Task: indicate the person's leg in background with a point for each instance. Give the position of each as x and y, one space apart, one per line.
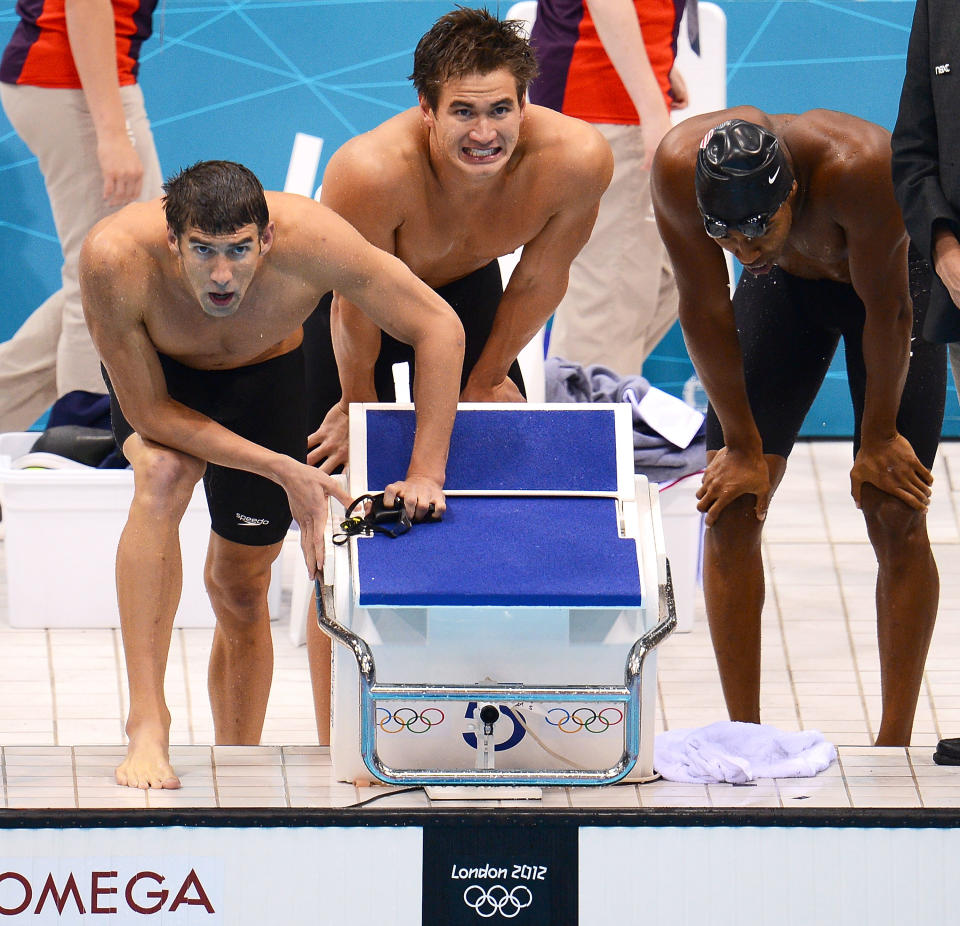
74 368
621 298
56 126
28 366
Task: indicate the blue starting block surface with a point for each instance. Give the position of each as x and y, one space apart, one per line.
505 551
570 450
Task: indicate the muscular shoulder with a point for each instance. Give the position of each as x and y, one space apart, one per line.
120 257
559 147
839 149
308 236
371 172
846 159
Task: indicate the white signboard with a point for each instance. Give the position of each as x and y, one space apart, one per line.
185 876
766 876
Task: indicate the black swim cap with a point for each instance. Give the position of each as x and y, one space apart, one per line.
741 172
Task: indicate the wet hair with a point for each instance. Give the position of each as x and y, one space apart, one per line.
217 197
741 171
469 41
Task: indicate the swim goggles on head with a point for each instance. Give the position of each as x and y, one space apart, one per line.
754 227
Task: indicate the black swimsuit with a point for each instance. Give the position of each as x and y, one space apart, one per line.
263 402
789 329
475 298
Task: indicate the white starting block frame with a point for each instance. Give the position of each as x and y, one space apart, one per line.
593 727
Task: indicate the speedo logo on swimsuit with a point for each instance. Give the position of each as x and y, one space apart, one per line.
244 520
942 69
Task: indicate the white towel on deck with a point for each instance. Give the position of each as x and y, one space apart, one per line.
739 752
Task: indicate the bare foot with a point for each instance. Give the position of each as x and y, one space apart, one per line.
147 765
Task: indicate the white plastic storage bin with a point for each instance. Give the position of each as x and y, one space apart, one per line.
62 529
683 541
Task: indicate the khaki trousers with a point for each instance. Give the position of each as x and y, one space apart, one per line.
52 354
622 298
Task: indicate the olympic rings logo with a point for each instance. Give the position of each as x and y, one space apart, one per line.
585 718
406 718
488 902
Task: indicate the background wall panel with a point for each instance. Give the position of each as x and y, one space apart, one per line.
239 79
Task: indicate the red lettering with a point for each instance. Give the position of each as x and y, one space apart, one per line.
159 896
201 900
27 893
50 889
96 891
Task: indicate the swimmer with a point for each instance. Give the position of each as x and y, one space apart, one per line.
195 303
805 203
472 173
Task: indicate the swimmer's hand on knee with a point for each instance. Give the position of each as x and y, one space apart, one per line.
422 497
728 475
893 467
328 444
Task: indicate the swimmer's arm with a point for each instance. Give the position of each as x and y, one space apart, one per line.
886 353
877 253
539 280
91 33
356 346
138 380
389 294
706 316
705 308
709 330
347 190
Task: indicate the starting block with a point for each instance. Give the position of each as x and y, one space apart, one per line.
518 634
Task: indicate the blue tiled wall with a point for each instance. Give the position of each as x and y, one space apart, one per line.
238 79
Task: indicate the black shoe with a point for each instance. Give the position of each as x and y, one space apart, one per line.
948 752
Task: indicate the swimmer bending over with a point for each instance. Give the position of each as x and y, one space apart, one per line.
471 174
195 303
805 203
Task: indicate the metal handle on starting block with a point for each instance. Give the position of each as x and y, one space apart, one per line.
371 692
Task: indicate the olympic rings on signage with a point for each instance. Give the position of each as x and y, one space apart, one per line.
585 718
496 899
409 719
